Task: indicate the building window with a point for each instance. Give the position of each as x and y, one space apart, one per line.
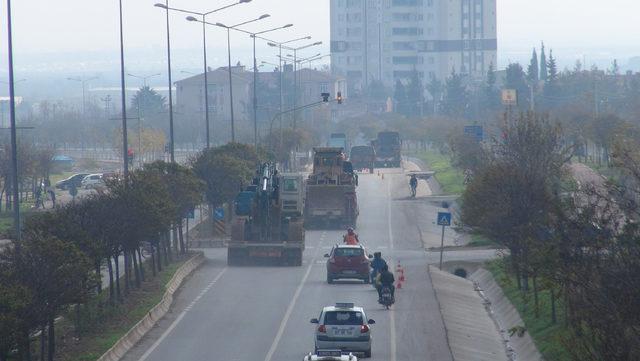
404 45
405 31
407 2
404 60
354 31
353 3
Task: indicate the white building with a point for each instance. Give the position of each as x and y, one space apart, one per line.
390 39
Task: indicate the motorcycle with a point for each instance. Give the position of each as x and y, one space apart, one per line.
386 298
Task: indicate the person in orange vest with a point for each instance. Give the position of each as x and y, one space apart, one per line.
351 238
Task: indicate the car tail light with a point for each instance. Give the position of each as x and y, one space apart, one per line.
364 329
364 261
322 329
332 260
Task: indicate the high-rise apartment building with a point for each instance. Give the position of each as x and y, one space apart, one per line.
390 39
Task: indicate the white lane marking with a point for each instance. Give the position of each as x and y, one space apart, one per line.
392 316
287 314
179 318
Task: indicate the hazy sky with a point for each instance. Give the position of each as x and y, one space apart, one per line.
596 28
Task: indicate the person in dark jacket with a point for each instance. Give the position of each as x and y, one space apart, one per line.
386 279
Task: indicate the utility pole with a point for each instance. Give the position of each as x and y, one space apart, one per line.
366 47
14 140
125 150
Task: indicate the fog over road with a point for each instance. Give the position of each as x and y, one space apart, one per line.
262 313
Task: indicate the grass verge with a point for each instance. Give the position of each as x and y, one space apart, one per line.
450 178
478 240
547 336
103 324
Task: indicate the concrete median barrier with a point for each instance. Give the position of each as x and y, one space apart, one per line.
506 316
137 332
472 334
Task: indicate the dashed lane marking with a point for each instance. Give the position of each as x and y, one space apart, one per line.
287 315
181 316
392 316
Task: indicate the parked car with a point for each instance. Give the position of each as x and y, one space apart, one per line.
93 181
75 179
347 261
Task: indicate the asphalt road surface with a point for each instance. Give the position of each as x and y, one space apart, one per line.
262 313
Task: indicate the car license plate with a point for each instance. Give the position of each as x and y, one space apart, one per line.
349 272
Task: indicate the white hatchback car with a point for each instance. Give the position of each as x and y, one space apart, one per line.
343 327
93 181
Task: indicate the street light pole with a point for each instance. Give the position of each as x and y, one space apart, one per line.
233 129
125 143
204 55
14 140
171 135
83 81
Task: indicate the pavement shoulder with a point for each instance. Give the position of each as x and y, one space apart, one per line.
471 333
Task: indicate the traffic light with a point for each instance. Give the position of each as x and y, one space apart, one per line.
325 97
339 98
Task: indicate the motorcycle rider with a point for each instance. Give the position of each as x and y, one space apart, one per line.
376 265
351 238
385 279
413 182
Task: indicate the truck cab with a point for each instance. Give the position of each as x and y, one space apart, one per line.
292 194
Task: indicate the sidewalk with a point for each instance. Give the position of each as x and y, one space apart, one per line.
472 334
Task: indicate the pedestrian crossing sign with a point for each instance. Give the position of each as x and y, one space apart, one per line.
444 219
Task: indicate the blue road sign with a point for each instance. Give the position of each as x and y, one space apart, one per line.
474 131
191 214
218 214
444 219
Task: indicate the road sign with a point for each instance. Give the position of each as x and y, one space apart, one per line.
474 131
218 214
444 219
191 214
509 97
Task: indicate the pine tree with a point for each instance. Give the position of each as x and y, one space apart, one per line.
490 91
615 69
543 65
551 86
400 97
533 71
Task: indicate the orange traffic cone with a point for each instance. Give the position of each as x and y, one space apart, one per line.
399 285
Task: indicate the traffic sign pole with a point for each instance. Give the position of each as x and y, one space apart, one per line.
442 248
444 220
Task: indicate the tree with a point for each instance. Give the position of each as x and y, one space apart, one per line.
400 97
551 87
148 102
490 95
56 274
543 65
456 96
435 89
415 95
533 71
516 79
512 197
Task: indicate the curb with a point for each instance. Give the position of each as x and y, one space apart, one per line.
135 334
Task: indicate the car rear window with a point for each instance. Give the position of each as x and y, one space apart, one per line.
349 252
343 318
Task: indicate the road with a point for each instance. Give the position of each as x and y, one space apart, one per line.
263 313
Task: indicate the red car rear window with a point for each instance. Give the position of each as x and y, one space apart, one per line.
348 252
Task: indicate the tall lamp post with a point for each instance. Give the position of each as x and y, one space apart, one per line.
229 28
255 76
123 94
84 82
204 55
165 6
295 81
14 140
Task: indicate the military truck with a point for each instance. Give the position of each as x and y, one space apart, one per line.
331 200
263 225
388 150
363 157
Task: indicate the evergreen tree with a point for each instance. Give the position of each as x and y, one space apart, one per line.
516 79
543 65
491 96
615 69
435 89
551 87
456 96
400 98
414 94
533 71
